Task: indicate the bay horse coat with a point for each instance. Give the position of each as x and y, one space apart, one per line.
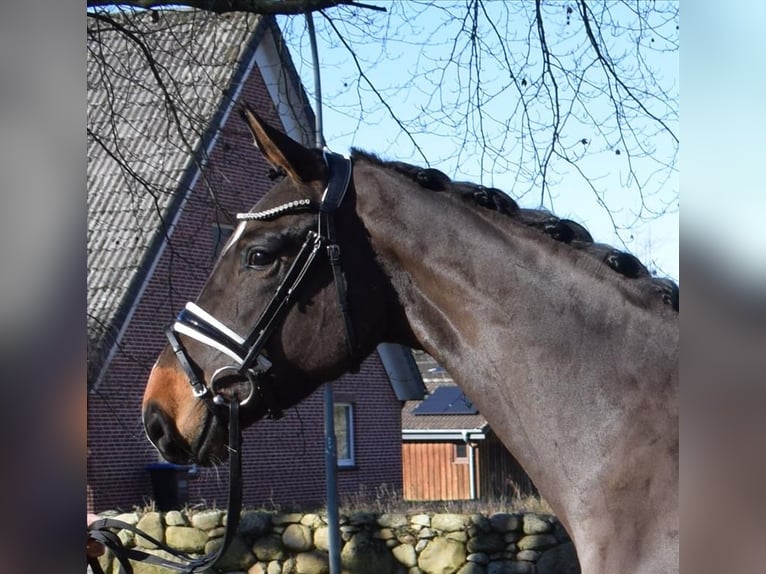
567 347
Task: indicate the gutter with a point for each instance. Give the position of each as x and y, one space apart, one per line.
444 434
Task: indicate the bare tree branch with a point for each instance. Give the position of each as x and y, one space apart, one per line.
556 108
532 95
383 101
223 6
584 10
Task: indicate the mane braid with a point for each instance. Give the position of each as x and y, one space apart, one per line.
561 230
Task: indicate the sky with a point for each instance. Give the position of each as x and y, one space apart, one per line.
405 67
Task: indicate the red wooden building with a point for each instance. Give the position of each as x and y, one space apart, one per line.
165 177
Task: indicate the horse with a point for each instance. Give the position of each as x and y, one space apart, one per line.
568 348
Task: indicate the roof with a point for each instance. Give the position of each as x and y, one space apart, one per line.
403 372
438 426
139 148
446 400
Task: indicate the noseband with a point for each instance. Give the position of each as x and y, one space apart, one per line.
250 363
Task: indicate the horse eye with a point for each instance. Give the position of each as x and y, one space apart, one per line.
258 258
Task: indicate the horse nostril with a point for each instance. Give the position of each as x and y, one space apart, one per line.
161 432
155 423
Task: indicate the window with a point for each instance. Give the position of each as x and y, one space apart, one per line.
461 453
344 433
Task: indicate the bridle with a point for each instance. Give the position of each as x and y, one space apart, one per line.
250 364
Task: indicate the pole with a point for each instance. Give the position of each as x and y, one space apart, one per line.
331 449
317 83
331 471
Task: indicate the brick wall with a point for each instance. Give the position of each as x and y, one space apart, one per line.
283 460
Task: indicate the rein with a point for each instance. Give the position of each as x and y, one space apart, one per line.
99 530
196 323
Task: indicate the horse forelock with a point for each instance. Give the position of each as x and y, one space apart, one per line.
575 236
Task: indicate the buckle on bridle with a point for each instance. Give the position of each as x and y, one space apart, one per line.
333 252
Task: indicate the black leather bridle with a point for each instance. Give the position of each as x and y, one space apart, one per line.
250 363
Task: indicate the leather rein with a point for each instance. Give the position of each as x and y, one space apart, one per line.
249 368
100 530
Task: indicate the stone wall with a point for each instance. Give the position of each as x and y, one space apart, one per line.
297 543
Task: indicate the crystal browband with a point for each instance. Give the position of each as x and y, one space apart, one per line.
274 212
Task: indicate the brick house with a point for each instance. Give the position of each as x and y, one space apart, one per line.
164 182
449 451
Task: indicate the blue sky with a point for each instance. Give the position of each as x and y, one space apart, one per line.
352 117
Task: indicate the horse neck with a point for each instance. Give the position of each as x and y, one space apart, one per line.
545 341
467 276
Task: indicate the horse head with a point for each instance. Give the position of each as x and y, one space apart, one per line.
272 322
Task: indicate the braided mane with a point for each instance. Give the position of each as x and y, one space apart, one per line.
559 229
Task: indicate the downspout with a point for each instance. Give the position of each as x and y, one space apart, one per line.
471 466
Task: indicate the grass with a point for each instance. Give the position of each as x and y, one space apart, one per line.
385 499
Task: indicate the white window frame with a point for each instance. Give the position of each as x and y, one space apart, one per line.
349 445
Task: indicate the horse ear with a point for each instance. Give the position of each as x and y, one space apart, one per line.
299 162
